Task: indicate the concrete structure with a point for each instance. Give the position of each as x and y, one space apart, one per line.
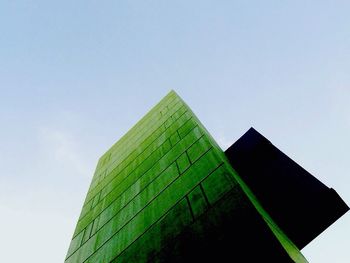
166 192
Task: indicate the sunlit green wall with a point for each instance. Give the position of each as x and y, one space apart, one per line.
161 176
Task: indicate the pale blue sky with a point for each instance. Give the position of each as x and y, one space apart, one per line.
76 75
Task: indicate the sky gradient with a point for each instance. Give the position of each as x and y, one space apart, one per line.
76 75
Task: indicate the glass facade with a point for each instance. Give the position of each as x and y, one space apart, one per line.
165 192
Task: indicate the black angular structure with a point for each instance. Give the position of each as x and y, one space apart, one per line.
301 205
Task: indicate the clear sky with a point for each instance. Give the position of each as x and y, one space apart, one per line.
76 75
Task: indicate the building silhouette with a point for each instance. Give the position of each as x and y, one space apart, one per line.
166 192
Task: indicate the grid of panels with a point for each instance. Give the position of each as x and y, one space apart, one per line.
133 187
158 178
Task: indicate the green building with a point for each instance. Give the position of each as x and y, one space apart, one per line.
166 192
